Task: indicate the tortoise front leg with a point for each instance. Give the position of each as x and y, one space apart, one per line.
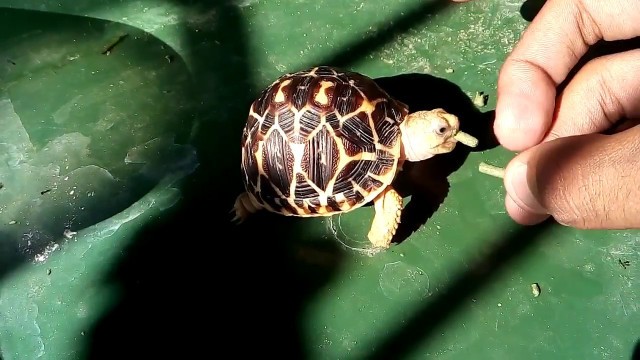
388 209
244 206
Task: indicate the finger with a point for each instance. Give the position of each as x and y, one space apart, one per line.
552 44
604 91
588 181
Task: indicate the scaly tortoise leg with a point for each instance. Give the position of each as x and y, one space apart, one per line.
388 209
244 206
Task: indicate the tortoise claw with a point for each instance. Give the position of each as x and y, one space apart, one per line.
237 219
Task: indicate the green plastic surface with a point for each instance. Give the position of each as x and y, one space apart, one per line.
119 171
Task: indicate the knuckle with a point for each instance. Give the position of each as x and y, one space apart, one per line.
606 89
587 26
608 101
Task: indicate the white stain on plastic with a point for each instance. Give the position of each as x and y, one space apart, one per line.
399 280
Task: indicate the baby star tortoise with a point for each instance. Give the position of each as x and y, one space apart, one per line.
323 141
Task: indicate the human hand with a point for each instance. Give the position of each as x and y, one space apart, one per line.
566 169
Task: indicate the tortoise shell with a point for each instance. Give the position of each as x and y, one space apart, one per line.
321 141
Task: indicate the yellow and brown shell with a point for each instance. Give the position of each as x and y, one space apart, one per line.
321 141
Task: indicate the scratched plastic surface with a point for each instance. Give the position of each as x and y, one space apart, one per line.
119 170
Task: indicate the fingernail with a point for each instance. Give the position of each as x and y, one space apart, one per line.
523 189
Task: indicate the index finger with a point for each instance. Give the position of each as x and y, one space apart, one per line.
550 47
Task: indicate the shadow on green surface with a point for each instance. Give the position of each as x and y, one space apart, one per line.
250 283
426 181
426 321
636 351
191 266
193 281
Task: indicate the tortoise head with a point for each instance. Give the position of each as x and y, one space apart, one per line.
428 133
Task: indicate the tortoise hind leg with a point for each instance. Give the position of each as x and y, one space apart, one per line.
244 206
388 209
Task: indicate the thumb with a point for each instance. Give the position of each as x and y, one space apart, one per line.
587 181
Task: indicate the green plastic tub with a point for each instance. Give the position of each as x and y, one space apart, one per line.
120 126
